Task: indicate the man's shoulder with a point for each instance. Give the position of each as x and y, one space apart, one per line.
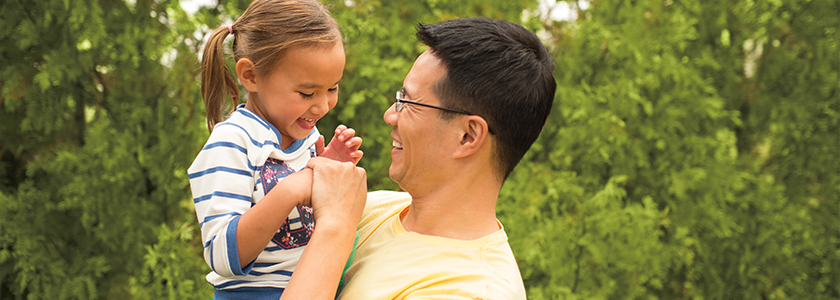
380 206
384 203
506 278
387 197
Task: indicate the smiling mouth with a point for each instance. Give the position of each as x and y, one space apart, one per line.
307 122
396 144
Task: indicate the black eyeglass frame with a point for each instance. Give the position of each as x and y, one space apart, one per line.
401 103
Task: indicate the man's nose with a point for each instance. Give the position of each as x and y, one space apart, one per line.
391 115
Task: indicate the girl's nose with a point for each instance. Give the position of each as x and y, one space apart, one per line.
324 105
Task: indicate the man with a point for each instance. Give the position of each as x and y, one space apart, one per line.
470 108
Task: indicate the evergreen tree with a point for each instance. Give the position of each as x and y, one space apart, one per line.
692 153
100 118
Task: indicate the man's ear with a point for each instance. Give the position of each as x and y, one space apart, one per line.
247 74
473 136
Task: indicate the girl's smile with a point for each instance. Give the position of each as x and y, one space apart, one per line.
298 91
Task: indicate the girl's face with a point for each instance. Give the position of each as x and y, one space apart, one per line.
300 90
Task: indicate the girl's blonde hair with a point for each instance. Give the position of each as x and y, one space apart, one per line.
266 30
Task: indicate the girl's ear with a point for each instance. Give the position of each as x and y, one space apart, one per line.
247 74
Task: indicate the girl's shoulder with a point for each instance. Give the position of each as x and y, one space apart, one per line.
244 124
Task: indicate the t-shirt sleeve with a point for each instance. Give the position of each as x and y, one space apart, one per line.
222 184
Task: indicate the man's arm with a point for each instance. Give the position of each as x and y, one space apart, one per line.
339 192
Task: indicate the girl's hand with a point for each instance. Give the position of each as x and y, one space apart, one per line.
344 146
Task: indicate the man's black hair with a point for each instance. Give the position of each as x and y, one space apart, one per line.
498 70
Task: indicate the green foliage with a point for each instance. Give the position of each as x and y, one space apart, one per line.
712 126
692 153
99 124
171 269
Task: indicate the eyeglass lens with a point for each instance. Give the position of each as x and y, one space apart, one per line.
399 105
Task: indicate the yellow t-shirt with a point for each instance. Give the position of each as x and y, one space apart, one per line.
391 263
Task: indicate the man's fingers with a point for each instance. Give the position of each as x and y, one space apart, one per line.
337 188
315 162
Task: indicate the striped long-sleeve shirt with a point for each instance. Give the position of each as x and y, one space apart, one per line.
240 163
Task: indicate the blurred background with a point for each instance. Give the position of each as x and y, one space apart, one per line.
692 152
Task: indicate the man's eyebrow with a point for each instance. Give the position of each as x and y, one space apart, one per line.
310 85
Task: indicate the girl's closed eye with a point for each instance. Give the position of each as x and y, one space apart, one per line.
305 95
334 89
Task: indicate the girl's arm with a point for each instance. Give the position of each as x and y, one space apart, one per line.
339 192
222 185
258 224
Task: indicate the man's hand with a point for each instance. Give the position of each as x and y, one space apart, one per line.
344 146
339 191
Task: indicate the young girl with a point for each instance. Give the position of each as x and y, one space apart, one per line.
250 178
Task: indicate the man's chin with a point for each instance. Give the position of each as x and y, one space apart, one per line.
394 174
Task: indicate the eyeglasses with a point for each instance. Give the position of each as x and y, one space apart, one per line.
401 103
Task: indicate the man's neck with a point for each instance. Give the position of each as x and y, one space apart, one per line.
461 209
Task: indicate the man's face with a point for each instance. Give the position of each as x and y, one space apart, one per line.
418 132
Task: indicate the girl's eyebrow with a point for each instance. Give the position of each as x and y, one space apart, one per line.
309 85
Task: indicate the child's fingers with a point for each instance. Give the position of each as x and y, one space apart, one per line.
347 134
339 129
357 156
354 143
319 146
336 134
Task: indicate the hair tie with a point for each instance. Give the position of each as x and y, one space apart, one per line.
230 29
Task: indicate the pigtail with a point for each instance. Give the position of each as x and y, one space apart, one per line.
217 81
